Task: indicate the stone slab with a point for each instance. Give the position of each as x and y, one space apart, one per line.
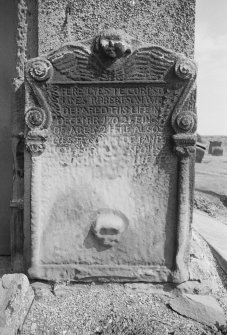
43 25
215 234
204 309
109 160
16 297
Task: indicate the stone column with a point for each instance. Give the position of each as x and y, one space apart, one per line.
185 148
184 122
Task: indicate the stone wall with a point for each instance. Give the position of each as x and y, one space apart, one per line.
168 23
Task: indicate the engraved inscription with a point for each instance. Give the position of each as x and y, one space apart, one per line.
84 110
92 120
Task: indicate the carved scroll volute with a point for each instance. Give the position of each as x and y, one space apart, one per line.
184 122
37 118
185 68
185 125
39 69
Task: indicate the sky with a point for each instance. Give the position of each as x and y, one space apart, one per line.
211 56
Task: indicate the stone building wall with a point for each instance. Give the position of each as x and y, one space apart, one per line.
169 23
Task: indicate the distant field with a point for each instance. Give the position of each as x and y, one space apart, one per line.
211 174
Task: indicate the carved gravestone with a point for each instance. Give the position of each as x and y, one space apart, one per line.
217 151
200 152
109 148
212 145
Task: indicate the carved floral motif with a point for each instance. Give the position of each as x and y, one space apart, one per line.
35 148
186 122
185 68
40 69
35 118
35 143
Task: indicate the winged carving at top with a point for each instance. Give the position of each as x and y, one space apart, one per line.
112 55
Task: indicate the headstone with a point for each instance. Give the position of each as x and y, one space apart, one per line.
109 149
200 152
217 151
213 144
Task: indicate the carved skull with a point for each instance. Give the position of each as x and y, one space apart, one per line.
109 226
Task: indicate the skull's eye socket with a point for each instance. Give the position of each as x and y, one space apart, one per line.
127 52
108 231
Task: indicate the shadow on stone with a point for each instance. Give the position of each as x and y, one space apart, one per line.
92 242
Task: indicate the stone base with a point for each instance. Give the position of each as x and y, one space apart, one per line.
101 273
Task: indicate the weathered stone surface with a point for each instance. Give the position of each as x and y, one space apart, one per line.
109 145
215 234
41 290
16 296
168 23
204 309
202 287
201 268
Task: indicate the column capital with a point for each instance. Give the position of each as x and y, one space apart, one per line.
184 144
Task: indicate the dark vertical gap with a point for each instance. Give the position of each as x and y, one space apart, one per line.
26 47
7 73
32 35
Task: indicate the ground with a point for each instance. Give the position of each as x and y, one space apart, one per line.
211 182
107 309
126 309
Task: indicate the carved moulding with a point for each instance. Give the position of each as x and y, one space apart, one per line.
184 123
38 116
111 58
35 142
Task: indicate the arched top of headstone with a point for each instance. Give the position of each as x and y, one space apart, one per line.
112 55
